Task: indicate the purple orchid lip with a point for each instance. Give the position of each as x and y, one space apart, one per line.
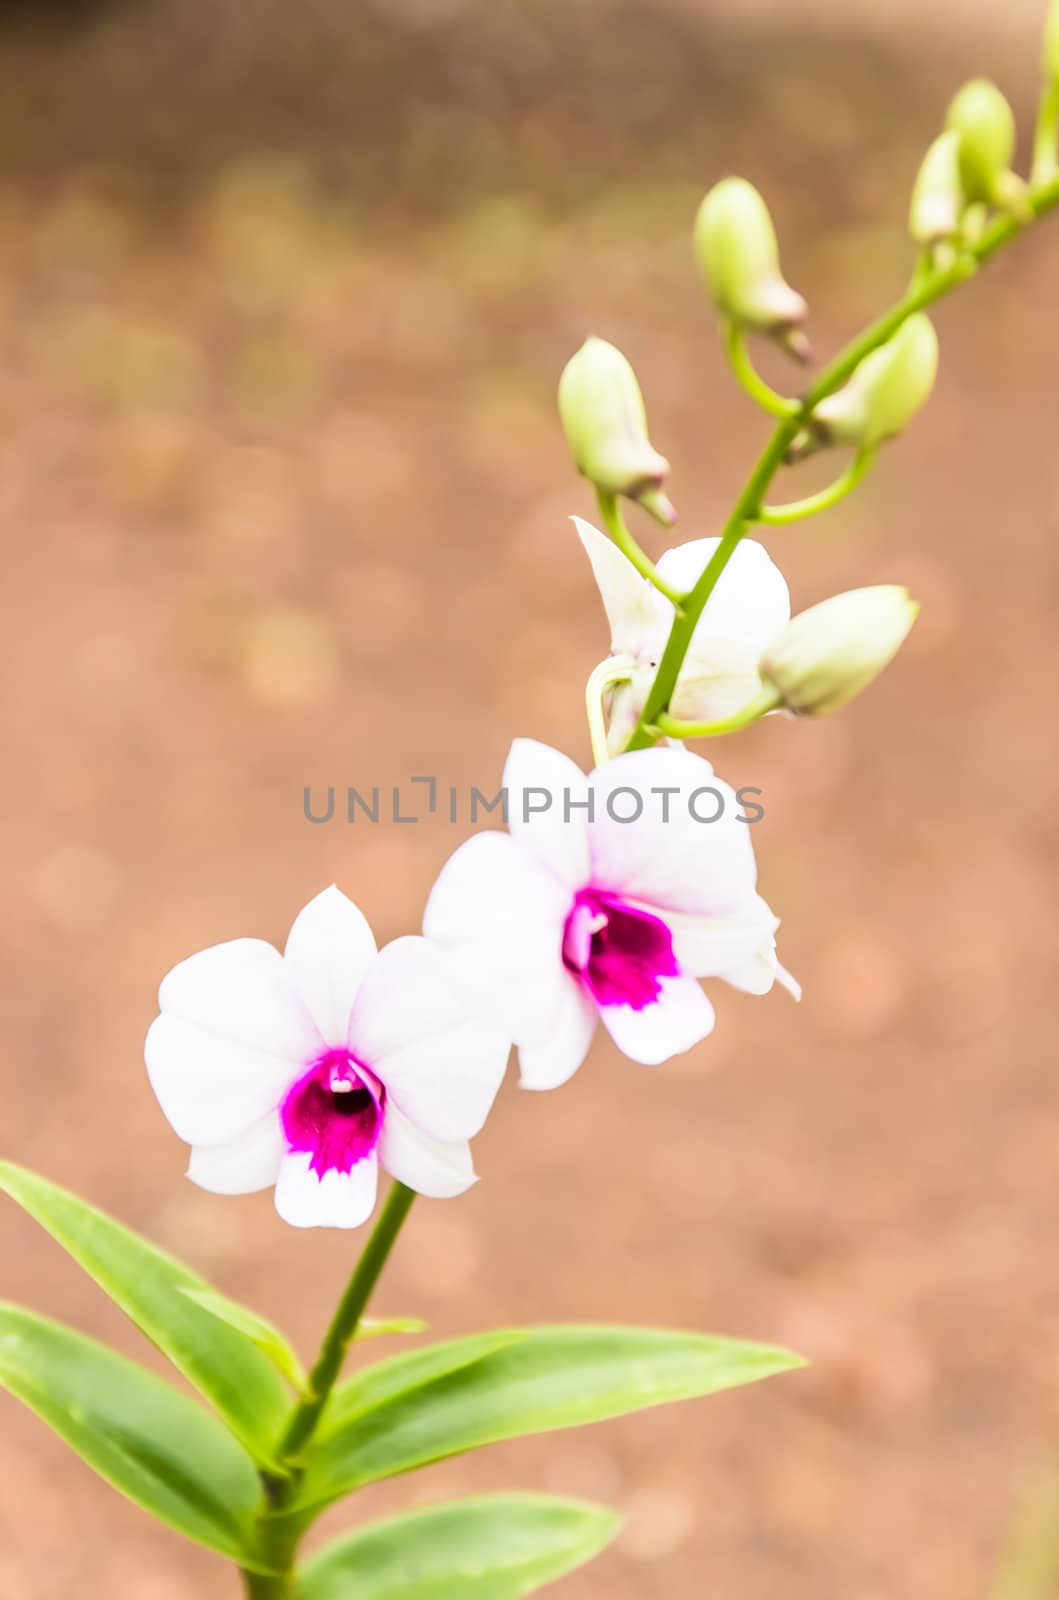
618 951
335 1111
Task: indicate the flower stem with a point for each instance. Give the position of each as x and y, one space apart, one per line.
797 510
280 1532
673 728
614 522
924 291
745 371
345 1321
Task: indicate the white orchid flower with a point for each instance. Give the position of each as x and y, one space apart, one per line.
312 1069
581 915
748 608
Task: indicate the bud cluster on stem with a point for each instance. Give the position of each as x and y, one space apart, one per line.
870 391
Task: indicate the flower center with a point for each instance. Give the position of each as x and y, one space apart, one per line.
335 1111
620 952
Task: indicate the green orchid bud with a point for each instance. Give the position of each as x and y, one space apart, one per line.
938 200
605 422
828 654
885 391
737 254
986 127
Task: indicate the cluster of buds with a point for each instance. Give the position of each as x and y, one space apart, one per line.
968 168
747 656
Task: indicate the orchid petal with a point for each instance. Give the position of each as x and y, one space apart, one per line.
555 1059
500 915
209 1087
671 857
434 1167
242 991
708 946
336 1200
750 604
624 704
757 974
536 776
328 951
720 681
678 1019
242 1165
640 617
412 1027
739 947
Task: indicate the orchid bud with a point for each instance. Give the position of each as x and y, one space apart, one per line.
938 199
985 124
828 654
737 253
605 422
885 391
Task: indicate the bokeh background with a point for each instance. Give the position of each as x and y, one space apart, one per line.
284 293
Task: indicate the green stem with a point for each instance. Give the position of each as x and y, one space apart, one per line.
280 1532
796 510
745 371
1046 139
923 292
683 628
673 728
259 1587
344 1323
614 523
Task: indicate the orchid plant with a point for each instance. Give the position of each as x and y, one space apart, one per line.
316 1070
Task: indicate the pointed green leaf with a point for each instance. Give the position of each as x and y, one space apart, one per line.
154 1445
375 1385
257 1329
375 1327
500 1547
151 1288
461 1395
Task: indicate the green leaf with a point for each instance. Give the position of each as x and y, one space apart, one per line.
151 1288
461 1395
375 1327
375 1385
257 1329
156 1446
497 1548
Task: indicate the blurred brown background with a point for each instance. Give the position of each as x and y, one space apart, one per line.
284 293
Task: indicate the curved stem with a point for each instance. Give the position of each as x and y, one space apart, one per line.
614 522
796 510
922 293
759 391
280 1537
673 728
615 669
